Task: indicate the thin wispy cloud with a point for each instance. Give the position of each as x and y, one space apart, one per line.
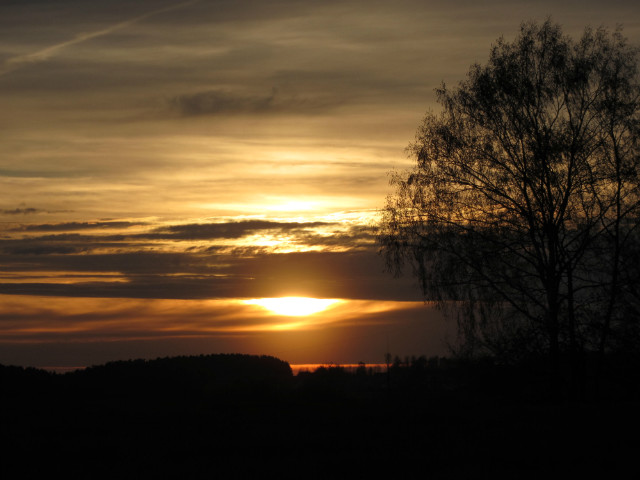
19 61
20 211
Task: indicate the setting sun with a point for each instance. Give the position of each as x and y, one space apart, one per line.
293 306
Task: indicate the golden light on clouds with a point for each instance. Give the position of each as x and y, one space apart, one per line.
64 319
294 306
293 206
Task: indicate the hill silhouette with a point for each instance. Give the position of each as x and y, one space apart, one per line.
210 377
242 416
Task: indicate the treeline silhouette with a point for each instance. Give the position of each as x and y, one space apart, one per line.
186 378
242 416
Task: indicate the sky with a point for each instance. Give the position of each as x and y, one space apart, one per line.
166 166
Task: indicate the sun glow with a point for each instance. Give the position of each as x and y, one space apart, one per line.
293 306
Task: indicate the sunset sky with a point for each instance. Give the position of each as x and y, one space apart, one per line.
167 165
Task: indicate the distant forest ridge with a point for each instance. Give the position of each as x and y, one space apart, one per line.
312 367
295 367
224 377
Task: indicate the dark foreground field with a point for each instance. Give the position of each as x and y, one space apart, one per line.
236 416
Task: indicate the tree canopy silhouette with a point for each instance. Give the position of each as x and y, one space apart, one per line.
521 212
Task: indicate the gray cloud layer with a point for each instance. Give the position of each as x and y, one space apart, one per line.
70 226
193 231
19 211
211 271
220 102
356 275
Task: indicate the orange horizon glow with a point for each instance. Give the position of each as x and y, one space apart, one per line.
294 306
44 319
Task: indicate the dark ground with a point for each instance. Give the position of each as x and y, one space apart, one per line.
236 416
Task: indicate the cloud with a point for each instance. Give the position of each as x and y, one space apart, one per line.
71 226
221 102
19 61
354 237
20 211
129 263
228 230
193 231
353 274
42 249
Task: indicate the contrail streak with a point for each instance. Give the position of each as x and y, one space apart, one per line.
20 61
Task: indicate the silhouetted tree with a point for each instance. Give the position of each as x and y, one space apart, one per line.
521 213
